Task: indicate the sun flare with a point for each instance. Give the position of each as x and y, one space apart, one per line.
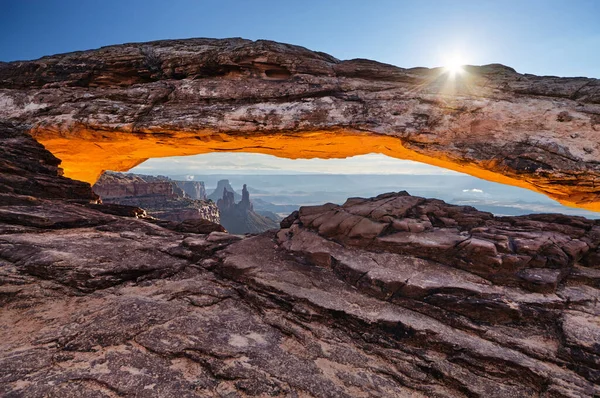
454 65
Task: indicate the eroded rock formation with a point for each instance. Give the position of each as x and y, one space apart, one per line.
28 170
240 218
114 107
162 197
218 192
391 296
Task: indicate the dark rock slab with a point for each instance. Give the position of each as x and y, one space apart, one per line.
27 168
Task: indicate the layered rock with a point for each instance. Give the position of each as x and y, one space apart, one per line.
240 218
162 197
28 170
390 296
117 186
114 107
534 252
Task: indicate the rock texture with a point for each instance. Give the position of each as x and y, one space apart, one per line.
394 296
389 296
27 170
240 218
114 107
162 197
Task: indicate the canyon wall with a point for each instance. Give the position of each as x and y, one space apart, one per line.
119 105
116 186
160 196
193 189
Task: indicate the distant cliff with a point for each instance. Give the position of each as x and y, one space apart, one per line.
240 218
193 189
162 197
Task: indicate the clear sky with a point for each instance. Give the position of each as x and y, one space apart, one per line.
546 37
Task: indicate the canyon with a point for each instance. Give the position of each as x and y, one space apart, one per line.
170 200
395 295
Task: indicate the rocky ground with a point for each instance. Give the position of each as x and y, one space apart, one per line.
389 296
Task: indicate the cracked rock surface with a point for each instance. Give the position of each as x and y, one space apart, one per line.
394 296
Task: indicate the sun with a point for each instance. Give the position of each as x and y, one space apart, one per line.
454 66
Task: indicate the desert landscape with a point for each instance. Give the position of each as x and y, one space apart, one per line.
133 285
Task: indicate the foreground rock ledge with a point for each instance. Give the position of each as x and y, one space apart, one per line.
114 107
390 296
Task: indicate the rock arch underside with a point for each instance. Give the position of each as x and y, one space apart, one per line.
388 296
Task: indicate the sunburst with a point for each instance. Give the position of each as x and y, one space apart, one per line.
454 65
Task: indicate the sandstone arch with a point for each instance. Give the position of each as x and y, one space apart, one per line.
114 107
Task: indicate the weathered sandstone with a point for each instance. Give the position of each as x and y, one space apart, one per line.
28 170
394 296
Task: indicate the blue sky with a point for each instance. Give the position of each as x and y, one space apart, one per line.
547 37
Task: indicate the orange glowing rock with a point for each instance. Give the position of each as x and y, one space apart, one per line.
91 152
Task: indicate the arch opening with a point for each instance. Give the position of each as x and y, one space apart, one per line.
87 153
281 185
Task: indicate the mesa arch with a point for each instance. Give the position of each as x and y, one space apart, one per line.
114 107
